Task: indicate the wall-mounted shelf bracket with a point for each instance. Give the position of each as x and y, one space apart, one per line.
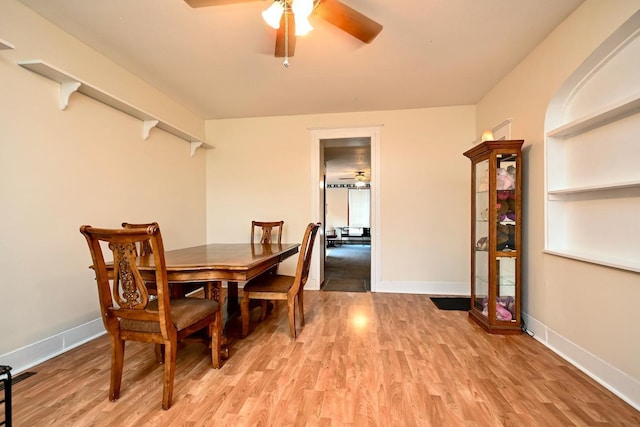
147 126
194 146
70 84
66 89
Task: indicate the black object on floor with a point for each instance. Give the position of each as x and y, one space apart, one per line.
5 373
452 303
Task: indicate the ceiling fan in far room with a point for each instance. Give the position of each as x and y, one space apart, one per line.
289 17
359 177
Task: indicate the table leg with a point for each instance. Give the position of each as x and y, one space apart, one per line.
213 291
233 307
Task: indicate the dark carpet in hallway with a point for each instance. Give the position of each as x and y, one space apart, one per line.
348 268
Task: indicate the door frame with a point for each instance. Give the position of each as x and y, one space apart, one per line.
318 188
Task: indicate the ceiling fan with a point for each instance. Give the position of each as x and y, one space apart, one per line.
359 177
333 11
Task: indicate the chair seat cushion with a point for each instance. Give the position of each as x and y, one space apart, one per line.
270 283
184 313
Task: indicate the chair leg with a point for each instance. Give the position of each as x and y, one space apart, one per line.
117 362
244 314
216 340
159 350
291 311
301 307
170 349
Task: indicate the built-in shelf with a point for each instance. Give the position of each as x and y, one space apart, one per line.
70 84
591 151
594 188
6 45
593 258
610 113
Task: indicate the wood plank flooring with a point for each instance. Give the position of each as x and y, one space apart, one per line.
361 360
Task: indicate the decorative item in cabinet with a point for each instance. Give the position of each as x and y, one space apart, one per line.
496 230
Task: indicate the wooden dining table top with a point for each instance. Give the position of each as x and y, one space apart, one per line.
220 261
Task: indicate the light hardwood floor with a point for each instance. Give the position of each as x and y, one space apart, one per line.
362 359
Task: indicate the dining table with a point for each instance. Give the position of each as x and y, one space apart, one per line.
207 266
216 263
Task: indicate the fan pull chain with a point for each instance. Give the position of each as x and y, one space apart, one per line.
286 40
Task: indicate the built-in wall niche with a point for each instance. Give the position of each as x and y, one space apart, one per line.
591 157
70 84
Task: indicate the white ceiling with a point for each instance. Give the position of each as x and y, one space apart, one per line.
218 61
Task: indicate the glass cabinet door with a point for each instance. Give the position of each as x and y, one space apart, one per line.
481 253
506 237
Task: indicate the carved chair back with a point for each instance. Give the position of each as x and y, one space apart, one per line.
123 294
267 229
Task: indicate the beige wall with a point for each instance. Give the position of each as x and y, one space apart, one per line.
85 165
574 304
261 168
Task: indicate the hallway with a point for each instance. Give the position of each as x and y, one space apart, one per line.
348 268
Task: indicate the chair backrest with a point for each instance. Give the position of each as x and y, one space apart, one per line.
123 294
304 259
145 246
267 228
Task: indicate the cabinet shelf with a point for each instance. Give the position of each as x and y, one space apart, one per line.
4 45
70 84
610 113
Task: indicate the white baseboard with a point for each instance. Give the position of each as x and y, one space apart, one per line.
430 288
33 354
619 383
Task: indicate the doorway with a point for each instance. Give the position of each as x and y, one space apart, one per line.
324 141
347 214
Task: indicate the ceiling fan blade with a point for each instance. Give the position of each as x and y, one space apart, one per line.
348 20
280 39
206 3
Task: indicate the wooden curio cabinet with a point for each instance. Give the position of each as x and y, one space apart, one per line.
496 230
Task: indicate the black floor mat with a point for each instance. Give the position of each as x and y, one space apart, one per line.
452 303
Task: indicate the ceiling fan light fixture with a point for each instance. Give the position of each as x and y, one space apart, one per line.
302 7
273 14
303 26
360 179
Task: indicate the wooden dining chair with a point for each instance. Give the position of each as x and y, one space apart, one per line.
267 229
130 313
281 287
